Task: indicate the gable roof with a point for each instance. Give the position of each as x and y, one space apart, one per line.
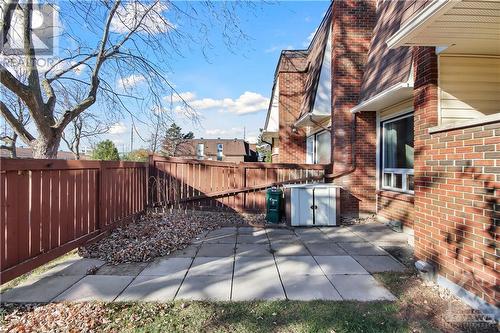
385 68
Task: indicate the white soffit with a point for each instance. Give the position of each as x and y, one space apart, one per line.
323 98
272 119
386 98
461 26
311 119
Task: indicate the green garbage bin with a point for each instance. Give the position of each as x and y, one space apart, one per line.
274 197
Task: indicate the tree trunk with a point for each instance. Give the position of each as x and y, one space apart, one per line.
45 148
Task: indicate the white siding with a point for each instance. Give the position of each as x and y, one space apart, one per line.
469 87
323 100
396 109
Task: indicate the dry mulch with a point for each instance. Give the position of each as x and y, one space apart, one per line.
157 235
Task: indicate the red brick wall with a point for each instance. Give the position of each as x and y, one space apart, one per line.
353 23
396 206
292 144
457 191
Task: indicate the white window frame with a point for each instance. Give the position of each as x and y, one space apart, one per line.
393 171
314 137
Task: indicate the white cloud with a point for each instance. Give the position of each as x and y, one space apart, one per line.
309 38
252 139
221 132
131 81
187 96
275 48
118 128
248 102
129 16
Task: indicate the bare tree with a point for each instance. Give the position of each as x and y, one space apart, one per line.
85 126
126 42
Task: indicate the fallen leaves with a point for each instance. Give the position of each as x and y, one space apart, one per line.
159 235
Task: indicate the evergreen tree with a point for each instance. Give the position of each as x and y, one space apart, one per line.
173 139
106 150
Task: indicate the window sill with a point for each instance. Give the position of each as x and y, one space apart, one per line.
492 118
401 196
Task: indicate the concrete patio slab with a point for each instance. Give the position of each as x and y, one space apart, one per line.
205 287
339 265
212 266
188 252
75 267
325 249
360 288
251 239
263 284
168 266
250 265
95 288
319 288
128 269
298 265
345 237
363 249
151 289
216 250
312 238
289 249
255 231
279 231
376 264
39 290
220 239
223 232
253 250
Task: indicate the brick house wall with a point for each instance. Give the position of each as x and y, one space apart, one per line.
457 191
352 28
292 141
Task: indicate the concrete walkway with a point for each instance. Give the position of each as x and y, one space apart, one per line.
232 263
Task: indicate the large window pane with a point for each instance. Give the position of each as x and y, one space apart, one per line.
323 150
310 149
398 144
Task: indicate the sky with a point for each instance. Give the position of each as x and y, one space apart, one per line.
229 88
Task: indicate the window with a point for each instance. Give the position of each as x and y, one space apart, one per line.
220 148
397 154
318 148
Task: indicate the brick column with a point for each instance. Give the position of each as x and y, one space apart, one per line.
352 29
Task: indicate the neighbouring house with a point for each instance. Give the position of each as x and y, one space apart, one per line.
26 152
227 150
401 102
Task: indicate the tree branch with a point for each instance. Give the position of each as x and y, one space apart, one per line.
15 124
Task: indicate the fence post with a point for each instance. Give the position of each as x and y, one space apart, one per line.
100 197
242 184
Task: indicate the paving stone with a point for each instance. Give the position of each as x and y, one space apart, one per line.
253 250
75 267
309 287
344 237
95 288
360 288
212 266
168 266
284 239
257 285
255 231
223 231
220 239
313 238
363 249
128 269
216 250
205 287
188 252
250 239
307 231
298 265
289 249
325 249
375 264
151 289
383 236
249 265
339 265
39 290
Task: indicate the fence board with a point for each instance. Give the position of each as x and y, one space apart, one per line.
50 207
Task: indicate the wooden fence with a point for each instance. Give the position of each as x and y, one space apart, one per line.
49 207
238 187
